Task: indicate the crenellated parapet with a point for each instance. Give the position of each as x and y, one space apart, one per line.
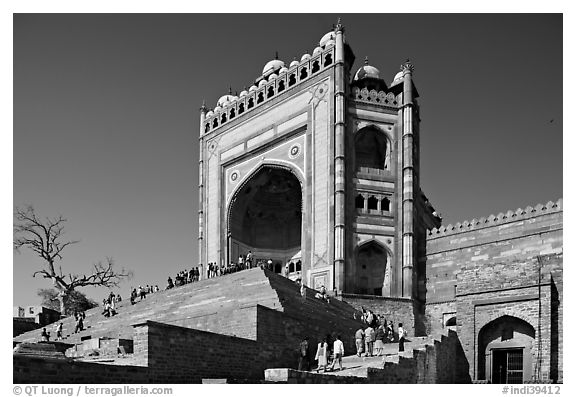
501 218
269 86
374 97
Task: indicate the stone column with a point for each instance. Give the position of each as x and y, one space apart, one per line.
339 174
203 111
407 182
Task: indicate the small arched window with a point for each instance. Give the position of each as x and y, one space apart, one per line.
291 267
315 67
372 203
385 204
298 266
359 202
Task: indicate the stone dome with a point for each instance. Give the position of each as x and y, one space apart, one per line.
262 83
317 51
327 37
305 57
397 78
283 69
271 66
225 100
210 113
367 71
243 93
294 63
253 88
217 109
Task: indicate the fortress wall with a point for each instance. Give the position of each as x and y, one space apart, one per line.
486 293
518 235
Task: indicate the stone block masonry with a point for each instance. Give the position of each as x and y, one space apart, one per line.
505 268
398 310
516 235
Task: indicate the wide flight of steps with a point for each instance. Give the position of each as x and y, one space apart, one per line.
414 365
205 305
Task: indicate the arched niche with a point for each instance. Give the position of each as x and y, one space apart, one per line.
372 270
372 149
506 350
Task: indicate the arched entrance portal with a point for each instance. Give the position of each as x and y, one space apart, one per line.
266 218
505 350
372 277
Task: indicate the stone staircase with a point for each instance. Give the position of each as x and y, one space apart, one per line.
209 305
417 364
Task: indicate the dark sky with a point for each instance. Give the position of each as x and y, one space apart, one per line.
106 118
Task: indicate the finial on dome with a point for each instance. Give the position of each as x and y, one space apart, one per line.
229 90
203 108
366 60
339 27
407 66
276 55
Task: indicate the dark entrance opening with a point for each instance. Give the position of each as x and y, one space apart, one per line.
266 218
507 366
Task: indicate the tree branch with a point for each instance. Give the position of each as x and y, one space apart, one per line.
44 237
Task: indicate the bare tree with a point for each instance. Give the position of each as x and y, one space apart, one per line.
45 238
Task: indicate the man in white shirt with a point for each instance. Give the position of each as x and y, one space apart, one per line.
402 336
338 352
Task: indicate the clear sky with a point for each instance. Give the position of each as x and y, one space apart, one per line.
106 118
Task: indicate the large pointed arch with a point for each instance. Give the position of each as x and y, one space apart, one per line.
264 214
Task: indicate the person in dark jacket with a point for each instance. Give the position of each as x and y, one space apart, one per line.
304 355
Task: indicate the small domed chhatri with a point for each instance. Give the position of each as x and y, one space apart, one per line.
367 71
272 66
330 36
225 100
397 78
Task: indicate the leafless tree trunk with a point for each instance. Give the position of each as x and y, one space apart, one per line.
45 238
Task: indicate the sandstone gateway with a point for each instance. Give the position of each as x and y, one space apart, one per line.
319 164
316 168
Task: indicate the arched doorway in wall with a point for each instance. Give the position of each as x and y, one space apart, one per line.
265 216
372 270
506 349
372 149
